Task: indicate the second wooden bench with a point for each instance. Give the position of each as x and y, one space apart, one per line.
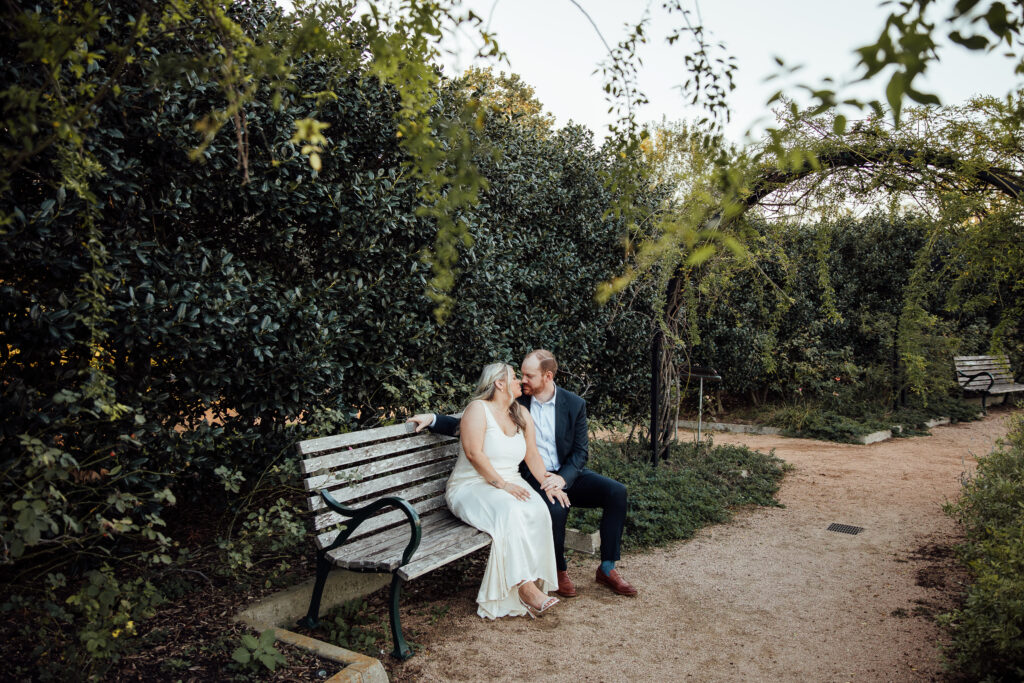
986 375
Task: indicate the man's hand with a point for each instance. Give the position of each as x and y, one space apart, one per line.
558 495
422 421
552 482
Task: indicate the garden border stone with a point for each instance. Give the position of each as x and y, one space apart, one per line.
357 668
288 605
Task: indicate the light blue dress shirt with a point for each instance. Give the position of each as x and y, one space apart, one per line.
544 423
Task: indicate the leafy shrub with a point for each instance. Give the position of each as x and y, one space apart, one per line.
256 654
83 630
697 486
988 630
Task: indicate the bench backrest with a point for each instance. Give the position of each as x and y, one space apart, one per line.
360 467
998 366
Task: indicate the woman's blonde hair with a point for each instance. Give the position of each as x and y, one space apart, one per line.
485 389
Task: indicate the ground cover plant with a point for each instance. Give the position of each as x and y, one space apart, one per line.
847 422
988 629
699 484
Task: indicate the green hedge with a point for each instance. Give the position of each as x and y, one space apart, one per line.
832 330
988 630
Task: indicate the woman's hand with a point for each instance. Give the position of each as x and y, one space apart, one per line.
518 491
558 495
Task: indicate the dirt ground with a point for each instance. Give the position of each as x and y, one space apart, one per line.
771 596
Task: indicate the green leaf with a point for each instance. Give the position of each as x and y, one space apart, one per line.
250 641
839 124
923 97
700 255
894 94
996 18
241 655
970 42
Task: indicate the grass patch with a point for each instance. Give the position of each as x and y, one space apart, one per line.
988 630
697 486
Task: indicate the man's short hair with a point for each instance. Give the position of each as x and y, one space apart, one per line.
546 359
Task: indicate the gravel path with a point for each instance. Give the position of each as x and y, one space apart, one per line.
771 596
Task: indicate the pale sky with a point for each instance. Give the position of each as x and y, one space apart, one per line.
554 48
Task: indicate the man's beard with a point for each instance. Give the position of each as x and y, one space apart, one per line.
527 390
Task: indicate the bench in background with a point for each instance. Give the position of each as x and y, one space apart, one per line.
986 375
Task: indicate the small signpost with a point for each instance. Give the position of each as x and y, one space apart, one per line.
699 373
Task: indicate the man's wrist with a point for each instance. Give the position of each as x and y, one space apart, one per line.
433 421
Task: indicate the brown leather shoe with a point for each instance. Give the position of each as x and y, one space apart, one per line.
565 586
615 582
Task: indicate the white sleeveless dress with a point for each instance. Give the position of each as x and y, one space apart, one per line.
522 548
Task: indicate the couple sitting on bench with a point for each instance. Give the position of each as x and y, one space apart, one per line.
524 449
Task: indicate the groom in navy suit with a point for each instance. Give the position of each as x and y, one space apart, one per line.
560 418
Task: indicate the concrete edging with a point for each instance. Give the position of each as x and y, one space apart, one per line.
357 668
289 605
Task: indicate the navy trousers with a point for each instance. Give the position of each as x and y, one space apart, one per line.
590 490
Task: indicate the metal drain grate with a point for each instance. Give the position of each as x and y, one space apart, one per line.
845 528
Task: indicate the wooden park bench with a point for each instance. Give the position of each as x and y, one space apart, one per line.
385 486
986 375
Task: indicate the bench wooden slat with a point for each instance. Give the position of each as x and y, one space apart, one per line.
369 545
411 494
995 372
1006 388
984 381
381 521
383 552
448 532
421 566
354 492
326 443
347 458
343 476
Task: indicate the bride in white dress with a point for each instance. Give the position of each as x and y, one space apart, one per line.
486 490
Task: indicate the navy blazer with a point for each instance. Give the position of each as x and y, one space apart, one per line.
571 441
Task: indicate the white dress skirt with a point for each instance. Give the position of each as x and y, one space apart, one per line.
522 547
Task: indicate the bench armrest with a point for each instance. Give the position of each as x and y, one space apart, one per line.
358 515
970 378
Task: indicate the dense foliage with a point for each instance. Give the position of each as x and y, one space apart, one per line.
988 630
170 328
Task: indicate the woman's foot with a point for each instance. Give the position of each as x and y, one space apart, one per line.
534 599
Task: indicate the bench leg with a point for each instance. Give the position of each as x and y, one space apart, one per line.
984 409
312 618
402 650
